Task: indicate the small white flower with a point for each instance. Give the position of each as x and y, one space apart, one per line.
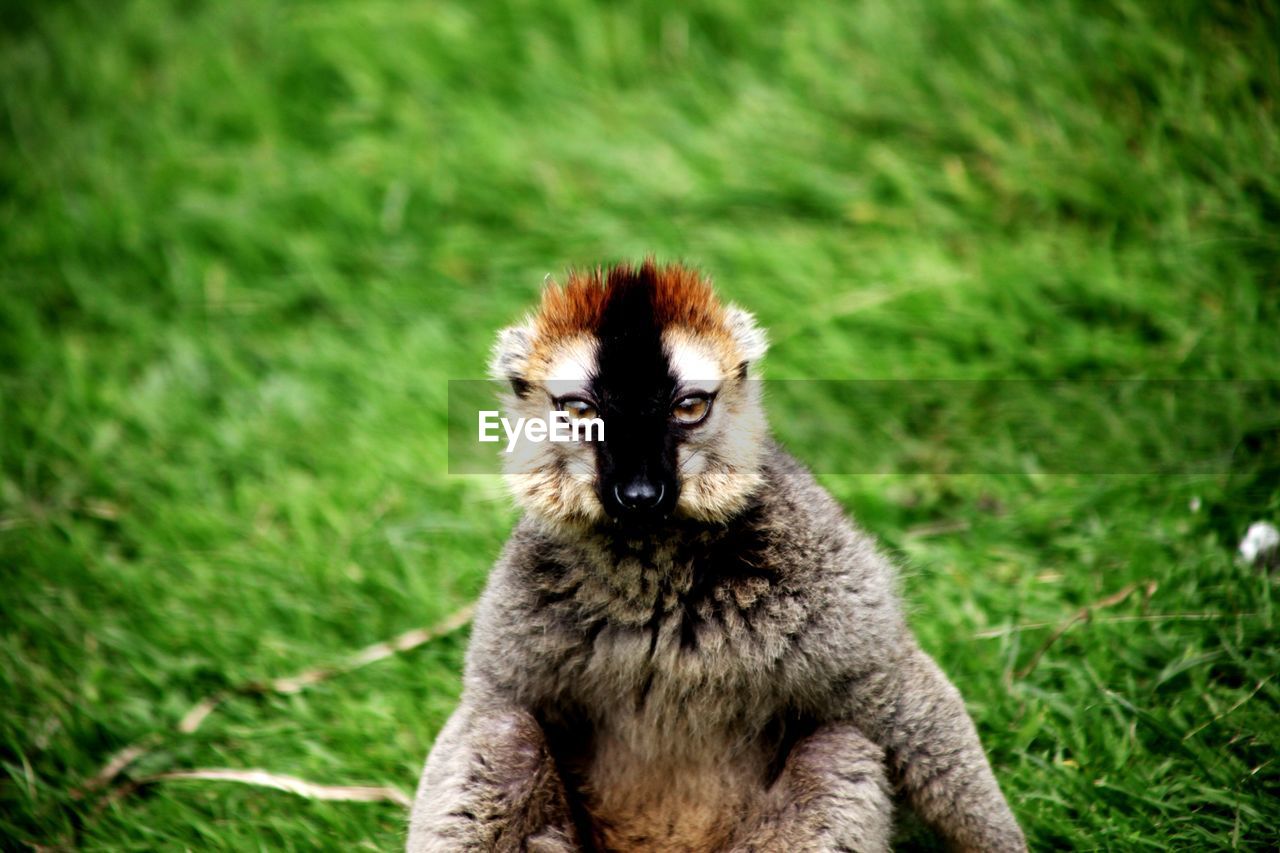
1260 541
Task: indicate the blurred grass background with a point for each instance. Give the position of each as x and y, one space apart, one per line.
243 245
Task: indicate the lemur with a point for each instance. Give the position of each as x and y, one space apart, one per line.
685 646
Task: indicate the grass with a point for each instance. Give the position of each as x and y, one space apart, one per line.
243 245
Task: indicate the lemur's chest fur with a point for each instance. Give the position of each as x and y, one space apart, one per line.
661 625
677 646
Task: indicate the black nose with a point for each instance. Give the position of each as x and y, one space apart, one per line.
639 495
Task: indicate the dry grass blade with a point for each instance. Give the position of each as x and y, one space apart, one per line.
1083 614
193 718
1235 707
291 784
200 711
1009 630
370 654
116 763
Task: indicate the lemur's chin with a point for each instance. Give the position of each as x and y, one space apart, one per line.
639 521
634 532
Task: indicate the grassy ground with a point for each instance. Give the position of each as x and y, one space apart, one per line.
244 244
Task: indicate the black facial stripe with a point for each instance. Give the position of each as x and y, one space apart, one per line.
633 385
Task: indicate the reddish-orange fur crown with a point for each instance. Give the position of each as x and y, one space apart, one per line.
680 297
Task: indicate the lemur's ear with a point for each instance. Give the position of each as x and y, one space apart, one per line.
751 339
511 356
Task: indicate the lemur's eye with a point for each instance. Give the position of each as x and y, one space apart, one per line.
692 409
578 408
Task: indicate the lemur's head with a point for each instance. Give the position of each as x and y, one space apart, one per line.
653 353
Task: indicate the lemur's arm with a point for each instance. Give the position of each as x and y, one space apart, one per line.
490 785
918 716
831 794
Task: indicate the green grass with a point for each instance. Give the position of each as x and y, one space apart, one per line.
244 244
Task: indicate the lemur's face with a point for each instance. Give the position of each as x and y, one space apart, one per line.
652 353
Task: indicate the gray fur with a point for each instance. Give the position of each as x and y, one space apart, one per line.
749 687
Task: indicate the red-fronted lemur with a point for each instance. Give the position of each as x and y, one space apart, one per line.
685 646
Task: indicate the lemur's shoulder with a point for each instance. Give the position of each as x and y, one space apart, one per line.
808 524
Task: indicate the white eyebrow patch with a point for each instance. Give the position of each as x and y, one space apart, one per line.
692 362
571 365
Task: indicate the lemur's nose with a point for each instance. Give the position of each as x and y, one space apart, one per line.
639 495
